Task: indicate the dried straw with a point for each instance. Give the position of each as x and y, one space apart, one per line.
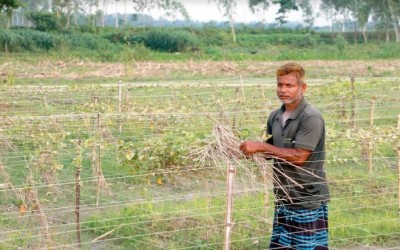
222 149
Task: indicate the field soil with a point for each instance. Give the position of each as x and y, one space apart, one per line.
79 69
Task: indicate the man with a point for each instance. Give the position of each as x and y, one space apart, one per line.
298 147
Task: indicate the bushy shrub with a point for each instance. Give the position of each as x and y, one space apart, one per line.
7 40
340 43
44 21
27 40
86 40
211 36
138 38
295 39
127 38
85 28
171 40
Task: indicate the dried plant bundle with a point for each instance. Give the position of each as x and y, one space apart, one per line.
222 149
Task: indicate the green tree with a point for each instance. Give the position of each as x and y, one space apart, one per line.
308 14
359 9
8 7
169 7
381 17
228 8
43 21
285 6
259 6
394 10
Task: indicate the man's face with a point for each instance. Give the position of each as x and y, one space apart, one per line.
288 88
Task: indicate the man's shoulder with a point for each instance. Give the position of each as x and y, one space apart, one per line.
311 110
273 114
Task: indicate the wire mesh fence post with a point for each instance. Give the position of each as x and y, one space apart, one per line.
119 106
397 149
371 141
230 181
353 102
97 159
235 109
78 165
43 93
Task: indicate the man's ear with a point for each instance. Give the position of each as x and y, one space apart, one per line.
303 87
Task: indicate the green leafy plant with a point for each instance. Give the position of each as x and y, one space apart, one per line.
44 21
171 40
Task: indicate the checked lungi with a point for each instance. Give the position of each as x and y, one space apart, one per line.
300 229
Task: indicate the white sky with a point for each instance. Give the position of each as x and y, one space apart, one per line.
206 10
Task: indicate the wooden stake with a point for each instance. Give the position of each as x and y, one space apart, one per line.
97 165
119 96
43 92
371 141
119 106
243 94
398 122
371 117
398 176
235 109
398 164
78 163
97 160
353 102
230 181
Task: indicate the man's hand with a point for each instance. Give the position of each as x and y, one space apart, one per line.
252 147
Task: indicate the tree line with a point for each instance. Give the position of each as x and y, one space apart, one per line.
382 14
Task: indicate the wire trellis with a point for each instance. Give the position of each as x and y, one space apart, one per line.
173 206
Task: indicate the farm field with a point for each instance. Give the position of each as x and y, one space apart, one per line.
125 133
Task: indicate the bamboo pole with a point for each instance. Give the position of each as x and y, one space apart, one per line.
371 141
78 163
372 113
235 109
353 102
230 181
398 176
43 93
97 163
243 93
119 106
398 164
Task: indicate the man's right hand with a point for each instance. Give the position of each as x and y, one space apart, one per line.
252 147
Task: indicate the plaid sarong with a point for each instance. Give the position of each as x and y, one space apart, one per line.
300 229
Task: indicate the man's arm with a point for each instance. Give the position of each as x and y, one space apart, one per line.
293 155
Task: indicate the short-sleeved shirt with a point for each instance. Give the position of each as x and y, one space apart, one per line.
304 129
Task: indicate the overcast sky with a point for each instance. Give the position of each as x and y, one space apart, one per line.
205 11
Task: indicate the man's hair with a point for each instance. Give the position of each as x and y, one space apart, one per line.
292 67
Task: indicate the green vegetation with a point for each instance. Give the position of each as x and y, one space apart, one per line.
160 198
113 45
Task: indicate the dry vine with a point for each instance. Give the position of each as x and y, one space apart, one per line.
223 150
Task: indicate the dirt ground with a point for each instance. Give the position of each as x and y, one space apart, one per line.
78 69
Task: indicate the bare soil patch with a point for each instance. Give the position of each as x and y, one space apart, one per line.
78 69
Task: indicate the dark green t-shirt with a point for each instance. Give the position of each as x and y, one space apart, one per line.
304 129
